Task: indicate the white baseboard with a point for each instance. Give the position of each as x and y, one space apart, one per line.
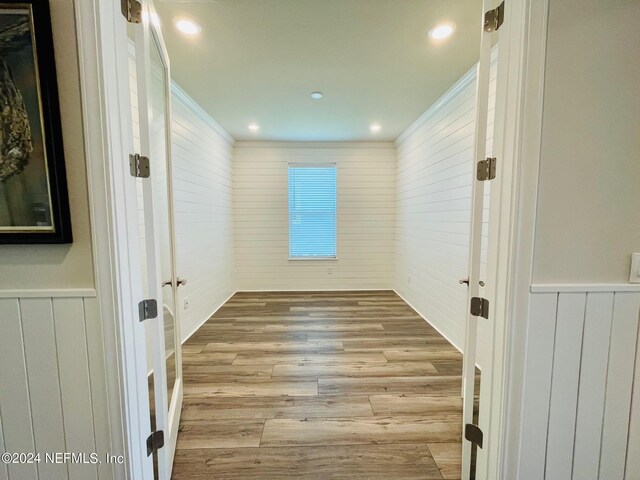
425 319
197 327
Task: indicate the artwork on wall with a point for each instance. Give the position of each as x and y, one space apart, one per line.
34 205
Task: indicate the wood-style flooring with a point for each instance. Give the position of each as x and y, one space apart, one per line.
319 386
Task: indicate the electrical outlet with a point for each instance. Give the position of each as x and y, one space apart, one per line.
409 279
186 303
330 270
634 277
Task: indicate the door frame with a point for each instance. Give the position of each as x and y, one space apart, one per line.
106 113
517 138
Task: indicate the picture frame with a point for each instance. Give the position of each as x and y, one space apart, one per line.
34 200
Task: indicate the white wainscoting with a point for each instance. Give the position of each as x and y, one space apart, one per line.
365 207
433 206
581 354
53 397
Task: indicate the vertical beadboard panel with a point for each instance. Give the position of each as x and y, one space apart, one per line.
44 382
15 402
98 384
580 402
75 388
365 216
53 385
537 391
564 384
624 339
433 203
591 393
633 458
4 469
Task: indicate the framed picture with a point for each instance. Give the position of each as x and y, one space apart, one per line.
34 203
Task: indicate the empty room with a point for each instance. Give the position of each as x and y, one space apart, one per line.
366 239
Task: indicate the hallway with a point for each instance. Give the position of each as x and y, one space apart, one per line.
320 385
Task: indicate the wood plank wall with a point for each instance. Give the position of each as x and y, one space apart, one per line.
202 154
366 215
579 376
433 203
53 397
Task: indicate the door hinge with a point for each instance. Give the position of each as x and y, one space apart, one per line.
139 166
155 442
131 10
486 169
494 18
480 307
473 434
147 309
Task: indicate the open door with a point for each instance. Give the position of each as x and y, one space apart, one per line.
478 326
151 113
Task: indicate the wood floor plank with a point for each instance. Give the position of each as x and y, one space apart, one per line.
329 358
209 359
404 404
277 407
397 369
325 327
356 462
273 347
212 337
427 355
448 457
242 387
191 349
434 385
220 434
194 372
363 430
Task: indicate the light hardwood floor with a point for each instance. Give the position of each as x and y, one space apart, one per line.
319 386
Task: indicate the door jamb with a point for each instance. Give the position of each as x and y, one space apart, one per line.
102 39
518 138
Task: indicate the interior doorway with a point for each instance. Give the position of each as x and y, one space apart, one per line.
456 279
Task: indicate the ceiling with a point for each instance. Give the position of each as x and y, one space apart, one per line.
257 61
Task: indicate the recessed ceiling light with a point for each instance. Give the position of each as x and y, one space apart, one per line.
188 27
254 127
375 127
317 95
442 31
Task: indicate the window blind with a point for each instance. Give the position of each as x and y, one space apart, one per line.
312 211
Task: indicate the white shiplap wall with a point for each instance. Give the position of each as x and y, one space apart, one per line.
579 377
365 207
202 155
202 176
434 186
52 371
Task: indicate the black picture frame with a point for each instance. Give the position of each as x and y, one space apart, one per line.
57 217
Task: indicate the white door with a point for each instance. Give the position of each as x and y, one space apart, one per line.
478 326
151 106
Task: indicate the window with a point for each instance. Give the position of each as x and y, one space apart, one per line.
312 211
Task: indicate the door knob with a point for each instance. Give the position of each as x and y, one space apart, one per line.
181 281
465 281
